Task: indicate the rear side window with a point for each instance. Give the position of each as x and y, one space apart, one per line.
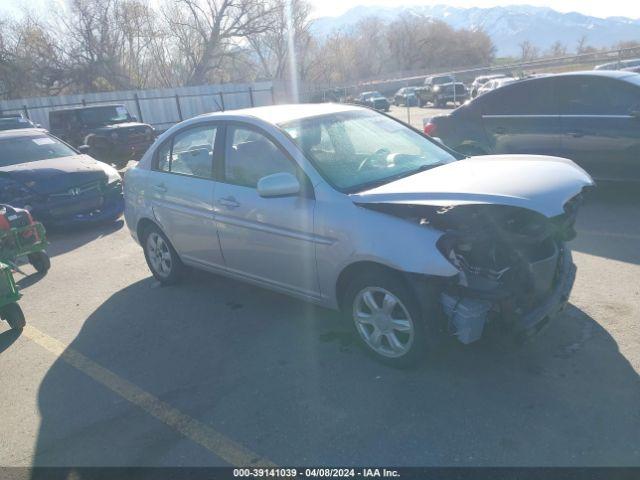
597 96
534 97
582 96
189 152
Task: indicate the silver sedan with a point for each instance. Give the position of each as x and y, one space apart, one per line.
350 209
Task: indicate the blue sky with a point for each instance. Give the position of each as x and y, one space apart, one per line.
598 8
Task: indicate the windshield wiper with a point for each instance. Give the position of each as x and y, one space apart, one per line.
383 181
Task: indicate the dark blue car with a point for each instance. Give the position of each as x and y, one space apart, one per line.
58 184
592 118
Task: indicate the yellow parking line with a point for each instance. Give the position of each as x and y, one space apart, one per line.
203 435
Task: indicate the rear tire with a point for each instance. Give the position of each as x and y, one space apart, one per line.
161 257
387 319
12 313
40 261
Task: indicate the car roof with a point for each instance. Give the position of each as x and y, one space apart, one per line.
491 77
593 73
21 132
277 114
87 107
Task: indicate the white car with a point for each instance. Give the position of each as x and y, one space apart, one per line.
495 83
353 210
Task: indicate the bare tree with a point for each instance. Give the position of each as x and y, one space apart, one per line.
272 45
206 31
528 51
558 49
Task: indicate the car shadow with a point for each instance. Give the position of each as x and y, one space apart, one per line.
607 225
286 380
68 239
8 338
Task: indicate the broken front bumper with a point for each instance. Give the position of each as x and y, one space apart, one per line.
537 319
468 311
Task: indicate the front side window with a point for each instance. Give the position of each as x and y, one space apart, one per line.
31 149
250 156
190 152
359 149
529 97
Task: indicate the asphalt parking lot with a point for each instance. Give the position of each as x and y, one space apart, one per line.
414 115
115 370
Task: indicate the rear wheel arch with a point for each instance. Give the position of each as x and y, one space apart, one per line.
143 227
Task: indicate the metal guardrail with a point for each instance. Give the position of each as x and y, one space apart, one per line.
467 74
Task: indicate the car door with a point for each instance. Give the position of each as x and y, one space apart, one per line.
522 118
181 185
600 126
264 239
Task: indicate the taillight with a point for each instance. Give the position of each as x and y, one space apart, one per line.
430 128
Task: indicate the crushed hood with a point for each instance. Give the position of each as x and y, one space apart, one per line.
535 182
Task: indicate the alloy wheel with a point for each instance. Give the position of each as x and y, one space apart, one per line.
159 254
383 322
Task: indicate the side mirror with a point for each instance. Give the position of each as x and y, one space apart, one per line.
134 118
84 149
278 185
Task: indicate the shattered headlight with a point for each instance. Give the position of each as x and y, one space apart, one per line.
112 174
14 193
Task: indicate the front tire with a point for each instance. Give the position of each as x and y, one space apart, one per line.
386 318
161 257
12 313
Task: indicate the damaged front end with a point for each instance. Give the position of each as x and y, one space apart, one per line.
515 271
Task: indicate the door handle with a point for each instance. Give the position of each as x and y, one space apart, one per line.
229 202
577 134
500 130
162 188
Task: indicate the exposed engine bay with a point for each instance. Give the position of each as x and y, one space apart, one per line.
514 268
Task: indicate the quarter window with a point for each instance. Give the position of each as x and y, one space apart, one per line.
251 156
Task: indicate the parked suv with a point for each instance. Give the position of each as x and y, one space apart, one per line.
110 131
593 118
441 90
353 210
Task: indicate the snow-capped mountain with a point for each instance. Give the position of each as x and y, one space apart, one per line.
507 26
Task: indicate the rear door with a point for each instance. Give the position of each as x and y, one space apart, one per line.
522 118
600 130
181 185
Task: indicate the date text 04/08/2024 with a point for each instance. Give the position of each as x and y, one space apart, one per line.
315 473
